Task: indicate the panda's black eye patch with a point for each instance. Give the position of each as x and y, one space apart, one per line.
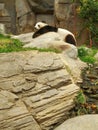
38 25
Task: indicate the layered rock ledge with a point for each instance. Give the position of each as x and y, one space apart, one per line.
37 90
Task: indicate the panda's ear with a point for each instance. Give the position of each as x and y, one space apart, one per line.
43 21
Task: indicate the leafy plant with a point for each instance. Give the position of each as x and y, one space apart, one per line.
87 54
80 102
80 98
89 12
88 59
82 51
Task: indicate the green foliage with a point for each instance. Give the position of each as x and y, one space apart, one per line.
87 54
2 36
89 12
82 51
82 106
88 59
80 98
80 101
8 44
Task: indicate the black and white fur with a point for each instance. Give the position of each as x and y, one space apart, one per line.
65 35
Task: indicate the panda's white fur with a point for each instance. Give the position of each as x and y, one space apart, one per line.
62 32
39 25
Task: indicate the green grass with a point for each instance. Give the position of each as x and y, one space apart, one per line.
80 98
80 102
87 54
7 44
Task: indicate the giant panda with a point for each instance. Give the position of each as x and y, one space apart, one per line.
64 34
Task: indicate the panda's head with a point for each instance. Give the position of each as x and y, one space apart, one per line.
40 25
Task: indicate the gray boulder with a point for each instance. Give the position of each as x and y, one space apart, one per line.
42 6
86 122
2 28
25 16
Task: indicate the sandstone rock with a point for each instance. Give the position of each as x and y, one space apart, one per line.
3 11
2 28
74 66
9 69
6 100
59 9
22 8
42 6
35 87
44 40
55 79
86 122
48 107
25 16
26 23
40 63
16 116
49 18
25 38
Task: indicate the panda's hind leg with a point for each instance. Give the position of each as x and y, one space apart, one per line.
70 39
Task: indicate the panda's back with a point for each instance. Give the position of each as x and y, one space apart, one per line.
64 32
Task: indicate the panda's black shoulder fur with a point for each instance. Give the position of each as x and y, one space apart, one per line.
44 30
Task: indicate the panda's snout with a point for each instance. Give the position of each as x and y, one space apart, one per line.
35 28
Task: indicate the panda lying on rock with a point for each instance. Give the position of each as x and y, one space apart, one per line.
65 35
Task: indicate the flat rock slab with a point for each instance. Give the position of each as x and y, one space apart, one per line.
86 122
